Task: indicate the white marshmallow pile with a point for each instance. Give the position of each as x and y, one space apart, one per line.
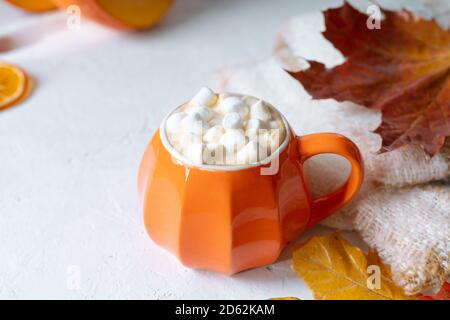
225 129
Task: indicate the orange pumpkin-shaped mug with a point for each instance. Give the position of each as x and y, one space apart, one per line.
229 218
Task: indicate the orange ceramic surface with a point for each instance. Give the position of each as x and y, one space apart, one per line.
229 221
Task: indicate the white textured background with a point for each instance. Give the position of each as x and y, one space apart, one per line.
69 154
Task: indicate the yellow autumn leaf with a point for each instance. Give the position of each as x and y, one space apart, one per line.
336 270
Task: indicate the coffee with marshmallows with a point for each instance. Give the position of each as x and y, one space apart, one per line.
225 129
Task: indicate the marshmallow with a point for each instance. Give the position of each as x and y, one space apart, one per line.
260 111
189 138
192 147
274 124
253 126
223 96
234 104
205 97
233 139
213 135
193 123
173 123
232 120
270 140
249 153
215 121
194 152
202 111
224 130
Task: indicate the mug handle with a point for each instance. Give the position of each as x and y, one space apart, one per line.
318 143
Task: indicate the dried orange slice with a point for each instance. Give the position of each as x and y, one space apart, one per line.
34 5
13 85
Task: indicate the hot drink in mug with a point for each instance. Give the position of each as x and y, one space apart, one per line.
222 182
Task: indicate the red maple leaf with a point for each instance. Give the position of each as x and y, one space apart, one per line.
402 69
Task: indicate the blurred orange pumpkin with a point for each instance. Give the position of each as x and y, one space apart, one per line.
121 14
34 5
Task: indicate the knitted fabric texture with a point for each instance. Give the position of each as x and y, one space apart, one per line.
399 211
410 228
